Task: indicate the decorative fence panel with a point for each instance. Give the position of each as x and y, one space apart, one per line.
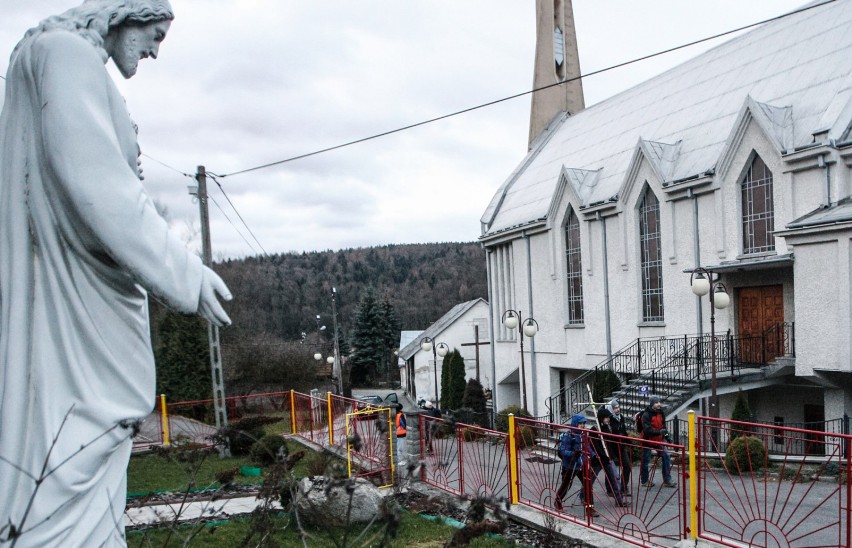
440 450
483 462
750 497
650 516
369 445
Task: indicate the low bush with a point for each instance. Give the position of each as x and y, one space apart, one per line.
745 454
501 423
265 451
243 433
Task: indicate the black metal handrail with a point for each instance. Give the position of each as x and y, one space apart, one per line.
678 360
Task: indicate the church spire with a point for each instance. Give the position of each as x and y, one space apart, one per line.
556 60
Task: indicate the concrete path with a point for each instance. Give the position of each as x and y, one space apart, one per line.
166 513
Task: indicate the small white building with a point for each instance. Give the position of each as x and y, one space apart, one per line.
463 328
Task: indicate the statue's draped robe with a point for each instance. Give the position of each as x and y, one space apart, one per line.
79 240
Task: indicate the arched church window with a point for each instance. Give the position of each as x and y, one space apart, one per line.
651 258
758 208
575 269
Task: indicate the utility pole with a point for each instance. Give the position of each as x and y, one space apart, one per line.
219 408
337 370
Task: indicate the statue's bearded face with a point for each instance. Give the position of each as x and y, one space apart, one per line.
130 42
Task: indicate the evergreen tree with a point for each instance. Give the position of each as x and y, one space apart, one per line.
390 336
182 356
452 381
474 396
367 339
445 381
742 413
474 399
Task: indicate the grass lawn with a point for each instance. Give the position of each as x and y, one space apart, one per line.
414 532
154 472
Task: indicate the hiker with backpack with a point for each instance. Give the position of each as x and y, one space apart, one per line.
573 460
605 447
622 456
652 427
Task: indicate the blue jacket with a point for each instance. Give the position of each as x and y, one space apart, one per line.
571 444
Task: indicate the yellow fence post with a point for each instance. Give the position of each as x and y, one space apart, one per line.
164 420
330 420
293 411
693 478
391 430
513 462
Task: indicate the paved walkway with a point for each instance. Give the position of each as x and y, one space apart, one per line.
165 513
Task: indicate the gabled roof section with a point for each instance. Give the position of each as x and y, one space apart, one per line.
579 183
775 122
438 327
662 157
795 69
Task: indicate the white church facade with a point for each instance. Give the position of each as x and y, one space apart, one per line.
738 161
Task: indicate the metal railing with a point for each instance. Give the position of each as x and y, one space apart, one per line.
678 361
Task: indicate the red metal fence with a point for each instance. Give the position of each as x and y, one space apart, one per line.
756 484
747 496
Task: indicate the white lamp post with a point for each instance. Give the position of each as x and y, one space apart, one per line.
440 349
528 327
705 282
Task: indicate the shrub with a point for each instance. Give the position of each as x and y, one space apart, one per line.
745 454
265 451
741 413
474 398
501 423
606 383
242 434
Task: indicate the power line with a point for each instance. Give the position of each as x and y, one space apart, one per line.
168 166
232 224
522 94
222 190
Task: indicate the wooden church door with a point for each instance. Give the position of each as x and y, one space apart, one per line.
759 309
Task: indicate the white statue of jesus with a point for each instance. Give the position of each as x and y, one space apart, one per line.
81 245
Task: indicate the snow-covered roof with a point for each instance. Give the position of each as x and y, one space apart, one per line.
438 327
792 75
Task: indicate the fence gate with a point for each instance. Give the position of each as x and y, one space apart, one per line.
369 446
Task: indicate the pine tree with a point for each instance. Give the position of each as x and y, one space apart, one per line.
390 336
182 356
367 339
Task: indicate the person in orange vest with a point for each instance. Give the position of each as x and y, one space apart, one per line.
401 431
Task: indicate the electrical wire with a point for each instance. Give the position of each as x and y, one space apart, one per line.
232 223
225 194
168 166
522 94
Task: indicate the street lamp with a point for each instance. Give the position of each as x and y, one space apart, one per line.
528 327
440 349
705 282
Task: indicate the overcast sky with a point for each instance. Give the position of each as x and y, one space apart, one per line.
242 83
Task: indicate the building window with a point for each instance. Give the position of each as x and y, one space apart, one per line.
575 270
758 209
651 258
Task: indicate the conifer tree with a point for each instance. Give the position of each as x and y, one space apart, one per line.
366 339
452 380
741 412
183 357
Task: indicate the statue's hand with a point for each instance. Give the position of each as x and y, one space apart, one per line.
208 304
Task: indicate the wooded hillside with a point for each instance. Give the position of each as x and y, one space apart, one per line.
281 295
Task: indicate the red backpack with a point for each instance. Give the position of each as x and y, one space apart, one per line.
637 421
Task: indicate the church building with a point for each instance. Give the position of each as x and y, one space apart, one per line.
738 163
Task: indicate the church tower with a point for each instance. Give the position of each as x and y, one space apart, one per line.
556 60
